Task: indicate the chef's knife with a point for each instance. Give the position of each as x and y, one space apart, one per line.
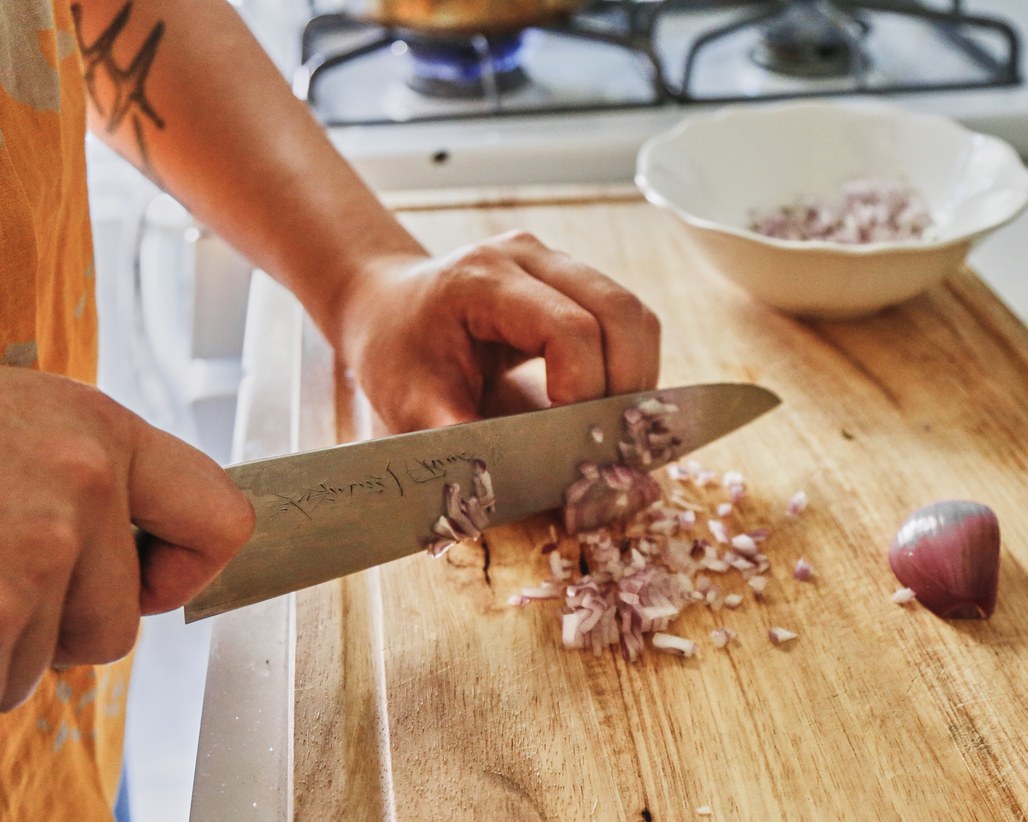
328 513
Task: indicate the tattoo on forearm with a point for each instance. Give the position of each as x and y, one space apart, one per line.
129 102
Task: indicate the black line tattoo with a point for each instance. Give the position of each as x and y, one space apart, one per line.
130 100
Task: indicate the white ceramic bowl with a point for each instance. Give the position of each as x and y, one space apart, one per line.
717 171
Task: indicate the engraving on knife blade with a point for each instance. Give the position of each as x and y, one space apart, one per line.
393 480
432 468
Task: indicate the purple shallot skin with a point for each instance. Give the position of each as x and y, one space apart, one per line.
948 554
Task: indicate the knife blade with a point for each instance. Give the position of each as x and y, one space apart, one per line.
328 513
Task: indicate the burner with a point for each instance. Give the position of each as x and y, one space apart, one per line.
809 40
470 68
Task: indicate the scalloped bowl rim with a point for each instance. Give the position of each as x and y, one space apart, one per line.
653 193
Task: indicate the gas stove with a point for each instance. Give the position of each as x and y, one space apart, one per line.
572 102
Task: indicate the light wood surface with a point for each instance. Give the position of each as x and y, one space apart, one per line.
421 695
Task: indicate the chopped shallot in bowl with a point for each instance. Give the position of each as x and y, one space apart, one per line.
863 211
817 231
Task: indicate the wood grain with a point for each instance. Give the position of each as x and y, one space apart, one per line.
422 695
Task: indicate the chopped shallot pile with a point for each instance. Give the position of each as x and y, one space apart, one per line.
644 570
649 555
865 211
465 517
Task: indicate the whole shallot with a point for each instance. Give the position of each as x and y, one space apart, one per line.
947 553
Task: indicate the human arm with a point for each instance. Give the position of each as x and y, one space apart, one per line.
228 138
183 90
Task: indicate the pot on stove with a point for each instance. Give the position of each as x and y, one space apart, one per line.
462 17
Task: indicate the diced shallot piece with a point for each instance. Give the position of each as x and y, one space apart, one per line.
606 493
733 601
635 451
705 478
553 542
903 596
731 478
797 504
464 518
655 407
439 547
667 527
447 529
596 433
455 510
483 484
704 810
715 564
722 636
779 635
570 634
674 644
758 584
476 513
545 590
717 530
736 485
677 472
559 567
803 571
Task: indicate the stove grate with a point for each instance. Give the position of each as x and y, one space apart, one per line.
955 25
631 25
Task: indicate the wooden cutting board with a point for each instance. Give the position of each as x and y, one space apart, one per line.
420 694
